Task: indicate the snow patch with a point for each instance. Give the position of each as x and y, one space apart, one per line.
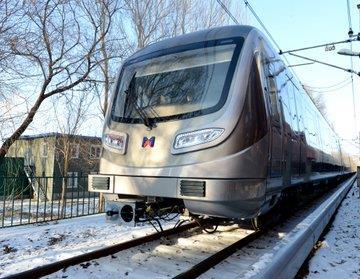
258 266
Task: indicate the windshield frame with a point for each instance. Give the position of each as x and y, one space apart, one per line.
237 41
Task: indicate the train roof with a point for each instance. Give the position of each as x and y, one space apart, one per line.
199 36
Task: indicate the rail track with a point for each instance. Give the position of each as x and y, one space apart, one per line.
63 264
188 252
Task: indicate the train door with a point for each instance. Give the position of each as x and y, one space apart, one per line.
276 129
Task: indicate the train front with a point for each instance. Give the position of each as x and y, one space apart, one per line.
182 126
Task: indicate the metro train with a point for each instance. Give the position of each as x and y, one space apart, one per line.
213 119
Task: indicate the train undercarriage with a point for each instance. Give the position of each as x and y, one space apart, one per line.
133 211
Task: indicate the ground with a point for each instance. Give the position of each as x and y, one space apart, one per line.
338 253
28 246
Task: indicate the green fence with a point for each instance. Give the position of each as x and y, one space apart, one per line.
16 186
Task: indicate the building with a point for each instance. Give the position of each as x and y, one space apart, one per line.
55 161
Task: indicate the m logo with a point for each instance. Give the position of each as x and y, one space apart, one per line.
148 142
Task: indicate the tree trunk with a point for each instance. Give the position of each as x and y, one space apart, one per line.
65 178
16 135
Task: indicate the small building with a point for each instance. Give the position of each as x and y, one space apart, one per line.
55 161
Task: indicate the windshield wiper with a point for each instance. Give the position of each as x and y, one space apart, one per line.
131 99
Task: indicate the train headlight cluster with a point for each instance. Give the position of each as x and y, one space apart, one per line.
117 142
197 137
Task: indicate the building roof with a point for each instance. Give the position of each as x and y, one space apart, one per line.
57 135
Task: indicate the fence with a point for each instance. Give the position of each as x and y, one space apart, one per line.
27 200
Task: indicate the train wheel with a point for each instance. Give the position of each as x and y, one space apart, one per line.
257 223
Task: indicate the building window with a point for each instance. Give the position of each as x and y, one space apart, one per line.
72 179
44 150
74 150
95 151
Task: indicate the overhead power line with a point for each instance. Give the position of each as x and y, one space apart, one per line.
349 18
261 23
357 38
331 89
347 80
326 64
333 85
248 5
227 11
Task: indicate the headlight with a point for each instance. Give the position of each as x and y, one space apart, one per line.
197 137
117 142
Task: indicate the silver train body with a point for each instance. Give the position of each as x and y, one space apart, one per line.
216 119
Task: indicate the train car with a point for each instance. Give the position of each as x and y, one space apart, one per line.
213 119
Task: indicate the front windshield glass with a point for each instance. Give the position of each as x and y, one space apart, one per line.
179 84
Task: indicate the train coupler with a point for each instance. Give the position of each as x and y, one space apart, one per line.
130 212
125 212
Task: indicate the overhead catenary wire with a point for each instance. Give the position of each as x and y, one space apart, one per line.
227 11
347 80
330 89
248 5
349 17
322 45
326 64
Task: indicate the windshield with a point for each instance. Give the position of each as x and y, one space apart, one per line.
180 83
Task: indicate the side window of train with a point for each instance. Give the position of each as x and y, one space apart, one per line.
272 90
253 119
292 91
261 59
283 83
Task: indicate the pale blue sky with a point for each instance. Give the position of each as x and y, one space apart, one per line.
296 24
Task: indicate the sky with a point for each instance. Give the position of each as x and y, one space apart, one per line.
297 24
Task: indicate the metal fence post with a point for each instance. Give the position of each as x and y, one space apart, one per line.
15 206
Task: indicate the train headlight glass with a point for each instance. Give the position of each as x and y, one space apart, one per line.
197 137
117 142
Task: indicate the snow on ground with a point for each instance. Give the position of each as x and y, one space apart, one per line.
29 246
338 255
163 258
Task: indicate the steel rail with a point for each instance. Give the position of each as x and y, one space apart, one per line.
218 257
332 204
47 269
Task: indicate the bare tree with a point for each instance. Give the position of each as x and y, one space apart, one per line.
151 21
71 111
189 16
55 46
317 100
111 52
52 46
9 16
147 19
